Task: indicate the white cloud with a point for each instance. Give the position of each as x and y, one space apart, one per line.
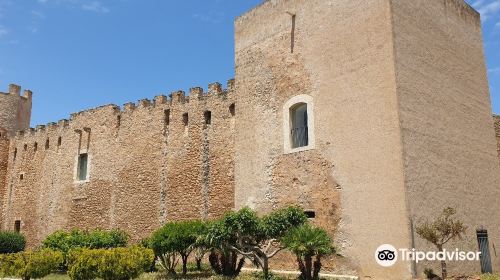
3 31
494 70
487 9
37 14
95 6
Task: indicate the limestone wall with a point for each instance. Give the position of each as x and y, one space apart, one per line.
15 110
343 58
145 168
449 146
4 154
497 132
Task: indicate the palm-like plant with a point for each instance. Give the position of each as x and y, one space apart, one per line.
309 244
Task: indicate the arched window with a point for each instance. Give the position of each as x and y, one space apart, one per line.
299 130
298 124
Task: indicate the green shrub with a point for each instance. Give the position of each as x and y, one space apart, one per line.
109 264
83 264
65 241
30 264
125 263
11 242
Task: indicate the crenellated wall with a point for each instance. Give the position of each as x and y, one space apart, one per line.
398 127
144 167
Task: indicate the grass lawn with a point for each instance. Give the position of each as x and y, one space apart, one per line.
189 276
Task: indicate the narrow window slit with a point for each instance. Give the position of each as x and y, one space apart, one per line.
17 226
167 117
208 117
232 109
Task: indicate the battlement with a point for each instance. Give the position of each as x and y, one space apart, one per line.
16 91
215 92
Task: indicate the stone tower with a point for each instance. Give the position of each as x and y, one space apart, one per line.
398 122
15 110
15 115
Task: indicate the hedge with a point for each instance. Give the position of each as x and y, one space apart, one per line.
109 264
30 264
65 241
11 242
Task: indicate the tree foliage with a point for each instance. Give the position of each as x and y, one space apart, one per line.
440 231
176 239
244 233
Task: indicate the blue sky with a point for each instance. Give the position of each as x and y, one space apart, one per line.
78 54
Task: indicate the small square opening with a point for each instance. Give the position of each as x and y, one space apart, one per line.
310 214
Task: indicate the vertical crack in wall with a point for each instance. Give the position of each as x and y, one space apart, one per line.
164 174
205 191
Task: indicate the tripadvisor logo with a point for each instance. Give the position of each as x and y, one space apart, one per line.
387 255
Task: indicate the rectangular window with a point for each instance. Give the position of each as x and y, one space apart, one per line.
17 226
484 248
208 117
83 160
299 133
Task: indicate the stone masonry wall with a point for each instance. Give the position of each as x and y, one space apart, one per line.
497 132
15 110
4 154
340 54
449 146
144 167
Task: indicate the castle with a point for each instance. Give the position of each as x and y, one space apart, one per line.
371 114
